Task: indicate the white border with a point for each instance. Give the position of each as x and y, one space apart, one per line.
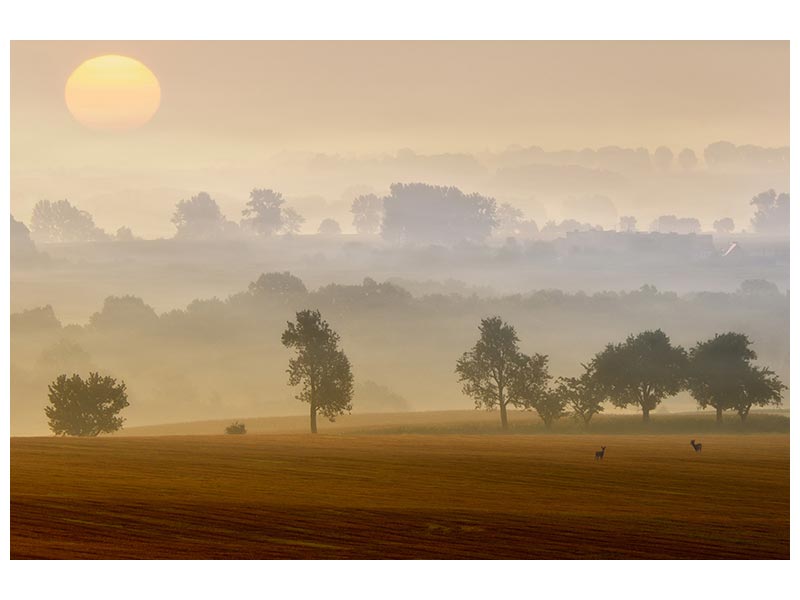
409 19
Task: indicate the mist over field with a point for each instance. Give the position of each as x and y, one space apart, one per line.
596 185
399 300
193 323
172 255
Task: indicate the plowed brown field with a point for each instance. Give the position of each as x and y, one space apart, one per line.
400 496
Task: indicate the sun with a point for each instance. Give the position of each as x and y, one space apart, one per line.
112 93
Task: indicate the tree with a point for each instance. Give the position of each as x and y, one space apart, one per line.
23 250
329 227
236 428
124 234
529 383
367 213
627 224
35 320
550 407
662 158
430 214
61 222
687 159
719 154
718 369
320 366
125 313
488 371
85 408
758 287
642 371
263 213
200 218
761 388
724 225
721 375
281 285
509 220
292 221
772 213
582 395
527 229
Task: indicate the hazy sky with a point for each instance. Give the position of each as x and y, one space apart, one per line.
231 103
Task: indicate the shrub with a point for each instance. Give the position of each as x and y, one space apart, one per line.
235 428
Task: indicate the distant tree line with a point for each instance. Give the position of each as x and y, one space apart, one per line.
411 213
162 343
641 371
322 370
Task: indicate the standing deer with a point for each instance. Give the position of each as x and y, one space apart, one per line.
600 453
697 447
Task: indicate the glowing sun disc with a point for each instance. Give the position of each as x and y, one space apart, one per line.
112 93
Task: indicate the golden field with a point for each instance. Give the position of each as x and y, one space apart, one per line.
400 496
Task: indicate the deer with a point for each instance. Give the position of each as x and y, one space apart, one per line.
600 453
697 447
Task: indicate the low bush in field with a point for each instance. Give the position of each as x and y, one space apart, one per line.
236 428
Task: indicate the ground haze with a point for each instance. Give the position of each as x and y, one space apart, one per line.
400 496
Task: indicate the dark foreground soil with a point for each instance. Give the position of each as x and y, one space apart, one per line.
400 496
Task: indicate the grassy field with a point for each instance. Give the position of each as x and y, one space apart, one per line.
483 422
400 496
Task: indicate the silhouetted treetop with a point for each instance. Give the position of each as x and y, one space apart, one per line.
583 395
329 227
722 375
42 319
418 212
263 212
278 284
762 387
367 213
200 218
758 287
719 370
61 222
23 249
772 213
124 234
85 407
124 312
662 158
370 294
488 371
292 221
720 155
319 367
641 371
627 223
531 384
687 159
724 225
